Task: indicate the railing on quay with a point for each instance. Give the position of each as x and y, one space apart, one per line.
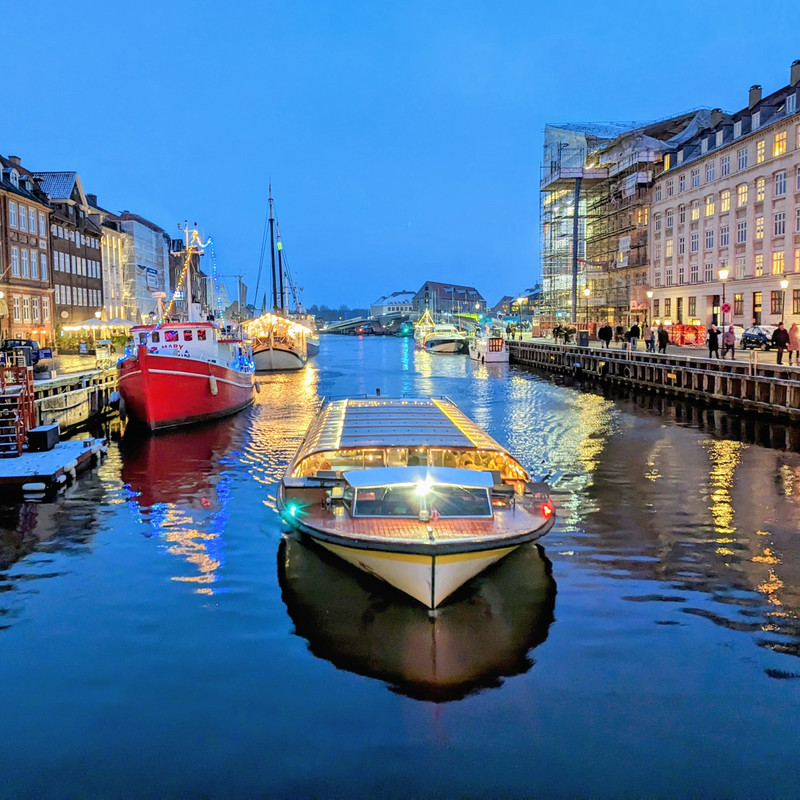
769 389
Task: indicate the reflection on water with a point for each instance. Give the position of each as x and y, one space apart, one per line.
486 634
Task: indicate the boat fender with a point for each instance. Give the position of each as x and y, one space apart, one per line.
602 369
34 487
212 384
123 410
626 372
61 479
258 387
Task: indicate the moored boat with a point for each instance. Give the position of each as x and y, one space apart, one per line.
182 372
445 338
411 491
179 373
488 346
279 343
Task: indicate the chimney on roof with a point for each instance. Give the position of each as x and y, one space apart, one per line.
92 198
15 160
794 76
755 96
716 117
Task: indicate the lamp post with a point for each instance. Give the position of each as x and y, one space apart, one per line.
586 292
723 276
784 287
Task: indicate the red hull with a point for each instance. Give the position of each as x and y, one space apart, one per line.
164 391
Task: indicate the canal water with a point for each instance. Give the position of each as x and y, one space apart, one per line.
160 636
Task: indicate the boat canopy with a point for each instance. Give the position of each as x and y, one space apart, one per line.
380 432
394 476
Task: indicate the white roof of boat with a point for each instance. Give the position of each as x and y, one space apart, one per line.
378 422
392 476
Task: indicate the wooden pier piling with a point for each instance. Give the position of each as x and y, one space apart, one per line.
767 389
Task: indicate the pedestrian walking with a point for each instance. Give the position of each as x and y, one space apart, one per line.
729 342
619 335
663 339
794 344
712 340
647 336
634 334
780 338
605 334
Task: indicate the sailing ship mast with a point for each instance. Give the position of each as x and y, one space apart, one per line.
272 252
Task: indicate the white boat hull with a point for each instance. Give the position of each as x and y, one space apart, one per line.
275 359
480 352
445 346
431 579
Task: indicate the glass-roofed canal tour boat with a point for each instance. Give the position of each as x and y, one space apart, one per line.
411 491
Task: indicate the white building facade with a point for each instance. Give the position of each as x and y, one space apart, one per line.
724 237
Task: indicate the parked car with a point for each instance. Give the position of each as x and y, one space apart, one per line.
758 336
9 344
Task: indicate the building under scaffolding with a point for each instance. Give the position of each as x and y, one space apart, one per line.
595 195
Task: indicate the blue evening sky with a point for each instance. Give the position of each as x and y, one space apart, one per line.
403 139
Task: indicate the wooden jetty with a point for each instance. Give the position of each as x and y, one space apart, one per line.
768 389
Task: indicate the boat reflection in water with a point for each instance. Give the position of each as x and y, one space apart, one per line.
177 486
484 634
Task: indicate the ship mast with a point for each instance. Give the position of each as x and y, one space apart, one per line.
272 252
188 279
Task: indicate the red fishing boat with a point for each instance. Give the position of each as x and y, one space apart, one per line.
177 373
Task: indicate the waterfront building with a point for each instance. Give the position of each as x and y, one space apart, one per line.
401 302
595 195
75 247
448 298
145 266
26 294
726 217
114 243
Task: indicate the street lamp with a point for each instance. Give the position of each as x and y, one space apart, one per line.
723 276
784 287
586 292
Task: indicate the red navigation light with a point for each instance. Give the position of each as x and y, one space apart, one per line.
547 510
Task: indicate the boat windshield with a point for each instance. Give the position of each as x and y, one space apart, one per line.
407 501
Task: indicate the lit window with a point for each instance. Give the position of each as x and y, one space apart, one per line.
741 194
668 248
760 183
778 263
759 228
779 145
759 262
738 305
695 210
725 200
710 205
761 151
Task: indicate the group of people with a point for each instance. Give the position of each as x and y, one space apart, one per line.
728 337
782 340
651 336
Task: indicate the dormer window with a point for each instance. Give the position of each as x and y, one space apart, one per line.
737 129
14 178
704 146
756 120
719 138
791 104
680 156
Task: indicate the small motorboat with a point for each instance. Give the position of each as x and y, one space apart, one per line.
488 346
412 491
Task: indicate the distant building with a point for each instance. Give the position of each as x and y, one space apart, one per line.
395 303
448 298
26 294
525 304
76 250
114 245
145 269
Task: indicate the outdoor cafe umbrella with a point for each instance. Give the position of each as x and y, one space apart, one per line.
118 322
